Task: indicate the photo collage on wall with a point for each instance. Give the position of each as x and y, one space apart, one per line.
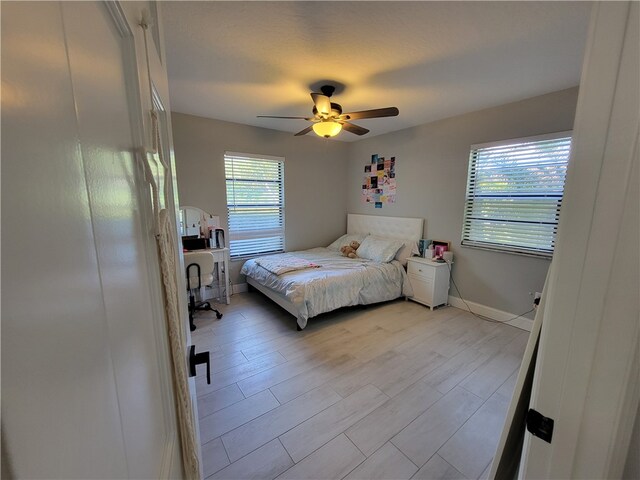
379 185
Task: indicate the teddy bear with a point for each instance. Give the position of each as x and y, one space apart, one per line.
350 250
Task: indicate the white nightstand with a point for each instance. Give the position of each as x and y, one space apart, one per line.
429 280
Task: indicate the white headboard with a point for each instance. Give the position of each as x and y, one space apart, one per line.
407 229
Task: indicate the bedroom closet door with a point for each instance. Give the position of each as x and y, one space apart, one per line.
84 385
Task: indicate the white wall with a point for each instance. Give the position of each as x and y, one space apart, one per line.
315 176
431 174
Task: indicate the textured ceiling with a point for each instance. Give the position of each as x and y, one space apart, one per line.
432 60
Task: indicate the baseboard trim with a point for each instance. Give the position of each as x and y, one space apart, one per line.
239 288
499 315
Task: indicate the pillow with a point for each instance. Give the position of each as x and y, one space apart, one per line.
379 249
405 252
346 239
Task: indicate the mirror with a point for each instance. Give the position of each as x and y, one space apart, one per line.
196 222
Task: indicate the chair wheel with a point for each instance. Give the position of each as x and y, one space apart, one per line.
218 315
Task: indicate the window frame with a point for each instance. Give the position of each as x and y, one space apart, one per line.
257 157
505 248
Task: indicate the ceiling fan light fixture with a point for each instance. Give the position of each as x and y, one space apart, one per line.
327 128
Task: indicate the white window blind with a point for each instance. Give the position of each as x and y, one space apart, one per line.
514 194
255 204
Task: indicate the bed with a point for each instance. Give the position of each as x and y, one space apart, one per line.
335 281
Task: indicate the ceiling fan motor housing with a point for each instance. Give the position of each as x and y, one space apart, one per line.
336 109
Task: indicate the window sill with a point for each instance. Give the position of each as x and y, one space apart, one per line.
541 256
248 257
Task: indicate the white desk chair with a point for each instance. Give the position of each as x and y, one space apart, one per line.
199 274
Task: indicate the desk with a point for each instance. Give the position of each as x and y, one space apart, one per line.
220 271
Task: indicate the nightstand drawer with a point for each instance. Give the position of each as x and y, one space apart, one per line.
421 270
422 289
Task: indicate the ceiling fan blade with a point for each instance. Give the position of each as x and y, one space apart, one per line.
322 103
293 118
350 127
304 132
375 113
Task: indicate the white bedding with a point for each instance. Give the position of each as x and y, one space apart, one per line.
283 263
339 282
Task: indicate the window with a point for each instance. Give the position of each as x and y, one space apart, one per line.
255 204
514 194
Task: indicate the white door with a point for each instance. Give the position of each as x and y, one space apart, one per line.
84 387
587 372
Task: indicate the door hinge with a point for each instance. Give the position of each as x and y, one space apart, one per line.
539 425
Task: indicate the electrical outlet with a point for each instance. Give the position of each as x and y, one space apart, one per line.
536 299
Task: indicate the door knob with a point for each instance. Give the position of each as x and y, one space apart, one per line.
196 359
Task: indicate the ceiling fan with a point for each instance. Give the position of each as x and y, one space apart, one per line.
328 119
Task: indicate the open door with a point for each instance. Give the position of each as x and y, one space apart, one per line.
587 377
87 385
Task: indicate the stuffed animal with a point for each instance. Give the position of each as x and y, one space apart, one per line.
350 250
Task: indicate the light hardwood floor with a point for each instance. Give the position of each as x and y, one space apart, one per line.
391 391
